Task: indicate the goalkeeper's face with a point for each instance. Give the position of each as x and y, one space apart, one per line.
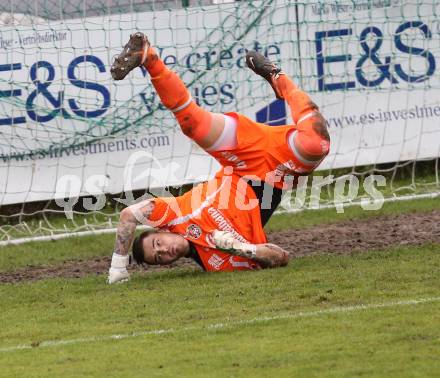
161 248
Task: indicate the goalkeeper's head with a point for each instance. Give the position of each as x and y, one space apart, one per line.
159 247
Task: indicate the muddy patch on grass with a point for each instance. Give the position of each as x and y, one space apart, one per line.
339 238
81 268
362 235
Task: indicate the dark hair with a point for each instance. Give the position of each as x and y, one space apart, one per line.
138 249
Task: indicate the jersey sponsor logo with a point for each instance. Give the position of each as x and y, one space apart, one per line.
289 168
215 261
223 224
193 231
234 159
286 173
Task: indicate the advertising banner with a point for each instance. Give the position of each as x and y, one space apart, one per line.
371 67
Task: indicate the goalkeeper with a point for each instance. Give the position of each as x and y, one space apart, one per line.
272 155
217 223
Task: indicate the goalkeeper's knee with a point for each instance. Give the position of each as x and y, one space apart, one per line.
310 142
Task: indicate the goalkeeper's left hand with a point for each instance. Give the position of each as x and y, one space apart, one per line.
226 241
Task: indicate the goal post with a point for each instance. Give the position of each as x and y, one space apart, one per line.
67 131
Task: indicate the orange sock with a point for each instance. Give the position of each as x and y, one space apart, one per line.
310 143
194 121
153 63
299 102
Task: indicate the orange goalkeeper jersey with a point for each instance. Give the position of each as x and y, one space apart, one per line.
224 203
263 153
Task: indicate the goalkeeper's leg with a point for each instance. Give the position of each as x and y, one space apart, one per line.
309 139
204 127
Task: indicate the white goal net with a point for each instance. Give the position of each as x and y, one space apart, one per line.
72 139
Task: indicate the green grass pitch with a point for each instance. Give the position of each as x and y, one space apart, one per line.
374 314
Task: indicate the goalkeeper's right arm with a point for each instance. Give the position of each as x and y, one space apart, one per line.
267 255
129 218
